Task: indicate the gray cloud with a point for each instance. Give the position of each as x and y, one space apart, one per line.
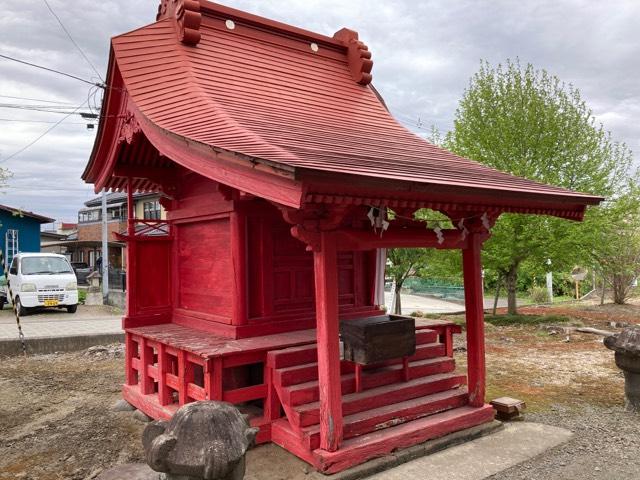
424 53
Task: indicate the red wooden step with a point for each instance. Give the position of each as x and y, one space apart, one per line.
309 391
428 350
391 415
308 372
360 449
309 414
426 336
289 357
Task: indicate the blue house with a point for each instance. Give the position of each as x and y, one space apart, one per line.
19 231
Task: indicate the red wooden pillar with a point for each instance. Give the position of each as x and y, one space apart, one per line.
131 352
164 395
131 247
326 282
146 360
213 378
239 262
474 307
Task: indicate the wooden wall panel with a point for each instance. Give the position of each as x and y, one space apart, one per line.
153 275
199 197
281 276
204 267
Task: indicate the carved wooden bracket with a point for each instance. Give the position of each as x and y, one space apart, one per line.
312 239
309 222
358 55
128 128
187 15
316 218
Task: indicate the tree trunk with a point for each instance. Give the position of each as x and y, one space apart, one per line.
604 291
511 282
620 289
397 303
495 300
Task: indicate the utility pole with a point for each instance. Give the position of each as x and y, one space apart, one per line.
549 281
105 248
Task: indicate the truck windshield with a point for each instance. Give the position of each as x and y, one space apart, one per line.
45 266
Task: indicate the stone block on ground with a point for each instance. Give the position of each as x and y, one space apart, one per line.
122 406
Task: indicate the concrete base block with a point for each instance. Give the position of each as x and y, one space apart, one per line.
94 298
400 457
45 345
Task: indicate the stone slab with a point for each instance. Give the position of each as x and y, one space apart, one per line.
483 457
399 457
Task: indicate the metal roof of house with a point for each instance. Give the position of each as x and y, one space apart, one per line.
117 198
18 212
287 98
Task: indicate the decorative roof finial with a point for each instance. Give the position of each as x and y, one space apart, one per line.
187 15
358 55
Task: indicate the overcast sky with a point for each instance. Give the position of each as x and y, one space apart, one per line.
424 53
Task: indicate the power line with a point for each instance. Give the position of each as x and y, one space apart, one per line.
35 100
7 57
45 133
52 189
39 108
72 40
37 121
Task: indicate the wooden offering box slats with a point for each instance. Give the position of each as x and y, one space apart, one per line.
376 339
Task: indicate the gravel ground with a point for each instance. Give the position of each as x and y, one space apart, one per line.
606 446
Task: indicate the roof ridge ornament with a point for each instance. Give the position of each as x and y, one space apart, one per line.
187 15
358 56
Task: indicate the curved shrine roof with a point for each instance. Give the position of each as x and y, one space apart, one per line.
288 98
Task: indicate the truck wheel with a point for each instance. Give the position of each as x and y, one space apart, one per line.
22 311
72 308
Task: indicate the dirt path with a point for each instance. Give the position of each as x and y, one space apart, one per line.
56 420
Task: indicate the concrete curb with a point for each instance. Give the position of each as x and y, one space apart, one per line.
44 345
399 457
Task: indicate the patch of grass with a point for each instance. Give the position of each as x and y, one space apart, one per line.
509 320
421 314
82 296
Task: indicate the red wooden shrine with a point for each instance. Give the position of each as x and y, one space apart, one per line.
271 148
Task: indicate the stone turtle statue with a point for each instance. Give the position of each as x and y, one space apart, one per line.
203 440
626 345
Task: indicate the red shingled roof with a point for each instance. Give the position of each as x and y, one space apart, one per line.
286 97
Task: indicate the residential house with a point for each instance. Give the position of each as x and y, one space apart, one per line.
19 231
86 244
54 235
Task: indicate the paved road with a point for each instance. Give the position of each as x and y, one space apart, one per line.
412 303
93 320
58 323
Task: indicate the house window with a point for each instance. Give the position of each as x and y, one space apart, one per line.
89 216
115 214
11 245
151 210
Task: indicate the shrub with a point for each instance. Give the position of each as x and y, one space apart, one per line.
539 295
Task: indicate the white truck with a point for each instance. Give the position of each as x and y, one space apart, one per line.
43 280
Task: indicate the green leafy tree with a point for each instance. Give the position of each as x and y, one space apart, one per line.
613 238
526 122
403 263
408 262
